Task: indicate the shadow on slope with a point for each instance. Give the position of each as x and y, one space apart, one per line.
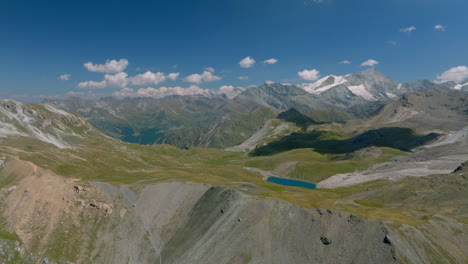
294 116
394 137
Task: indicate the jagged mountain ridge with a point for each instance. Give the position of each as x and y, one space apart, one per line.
370 84
220 122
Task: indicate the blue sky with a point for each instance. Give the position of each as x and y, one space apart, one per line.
42 40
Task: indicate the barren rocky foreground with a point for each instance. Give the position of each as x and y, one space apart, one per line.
175 222
182 222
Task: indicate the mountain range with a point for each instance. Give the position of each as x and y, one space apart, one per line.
391 183
221 122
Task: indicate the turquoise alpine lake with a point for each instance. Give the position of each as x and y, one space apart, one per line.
290 182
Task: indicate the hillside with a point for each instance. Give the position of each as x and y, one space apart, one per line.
99 200
428 110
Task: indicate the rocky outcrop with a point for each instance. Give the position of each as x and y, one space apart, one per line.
41 122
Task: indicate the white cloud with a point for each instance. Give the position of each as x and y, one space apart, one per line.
345 62
173 76
309 75
121 80
210 69
270 61
118 80
148 78
455 74
111 66
92 85
440 27
230 91
370 63
64 77
408 29
247 62
206 76
243 78
162 92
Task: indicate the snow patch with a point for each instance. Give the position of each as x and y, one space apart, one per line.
8 130
360 90
459 86
25 117
317 88
399 86
52 108
391 95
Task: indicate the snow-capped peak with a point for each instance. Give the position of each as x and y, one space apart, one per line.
321 86
360 90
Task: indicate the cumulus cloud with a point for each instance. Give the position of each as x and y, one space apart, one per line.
64 77
162 92
440 27
92 85
247 62
118 80
370 63
173 76
121 80
270 61
456 74
148 78
230 91
345 62
210 69
243 78
408 29
111 66
309 75
206 76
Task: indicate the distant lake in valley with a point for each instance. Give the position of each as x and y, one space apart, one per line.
291 182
